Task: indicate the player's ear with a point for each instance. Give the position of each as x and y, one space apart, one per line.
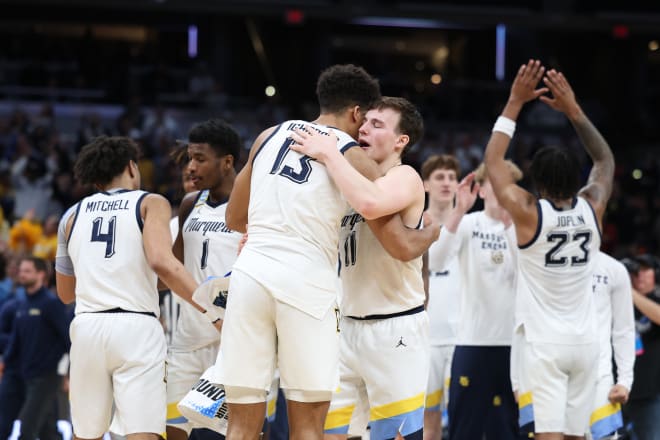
402 141
132 168
228 162
357 114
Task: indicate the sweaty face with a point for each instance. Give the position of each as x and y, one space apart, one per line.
378 134
441 185
203 166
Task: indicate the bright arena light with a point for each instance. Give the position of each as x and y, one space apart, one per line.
637 174
436 78
654 45
270 91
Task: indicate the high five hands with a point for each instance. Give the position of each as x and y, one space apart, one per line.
524 88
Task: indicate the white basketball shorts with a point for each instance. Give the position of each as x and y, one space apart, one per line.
120 357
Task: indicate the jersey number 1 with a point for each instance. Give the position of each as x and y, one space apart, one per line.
350 250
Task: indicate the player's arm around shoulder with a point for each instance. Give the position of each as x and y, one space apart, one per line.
367 197
397 232
400 241
402 191
236 214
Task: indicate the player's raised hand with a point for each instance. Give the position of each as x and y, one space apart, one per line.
466 193
313 143
524 85
563 99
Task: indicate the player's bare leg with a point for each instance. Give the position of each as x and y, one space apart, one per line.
306 419
245 420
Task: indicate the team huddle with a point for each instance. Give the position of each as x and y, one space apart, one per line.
362 307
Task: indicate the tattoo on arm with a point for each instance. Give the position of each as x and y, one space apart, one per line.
598 149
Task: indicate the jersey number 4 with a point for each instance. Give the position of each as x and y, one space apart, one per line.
560 239
108 237
295 176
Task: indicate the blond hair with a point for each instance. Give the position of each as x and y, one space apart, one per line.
480 174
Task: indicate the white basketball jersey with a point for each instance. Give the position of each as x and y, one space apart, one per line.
294 215
373 282
209 248
616 322
444 298
488 261
108 257
554 285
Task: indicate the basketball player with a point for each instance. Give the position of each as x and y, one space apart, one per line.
481 402
206 247
440 174
558 236
616 330
384 348
117 245
282 298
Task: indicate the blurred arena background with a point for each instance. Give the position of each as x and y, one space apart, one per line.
73 69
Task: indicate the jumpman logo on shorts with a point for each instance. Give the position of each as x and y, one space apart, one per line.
401 343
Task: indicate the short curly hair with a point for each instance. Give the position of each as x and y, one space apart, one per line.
345 85
555 172
105 158
220 136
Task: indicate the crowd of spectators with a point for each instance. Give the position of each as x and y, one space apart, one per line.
38 149
37 184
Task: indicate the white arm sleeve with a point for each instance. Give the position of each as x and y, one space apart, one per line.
623 327
447 247
63 263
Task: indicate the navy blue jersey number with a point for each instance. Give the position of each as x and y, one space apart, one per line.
300 176
205 253
560 239
108 237
350 250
